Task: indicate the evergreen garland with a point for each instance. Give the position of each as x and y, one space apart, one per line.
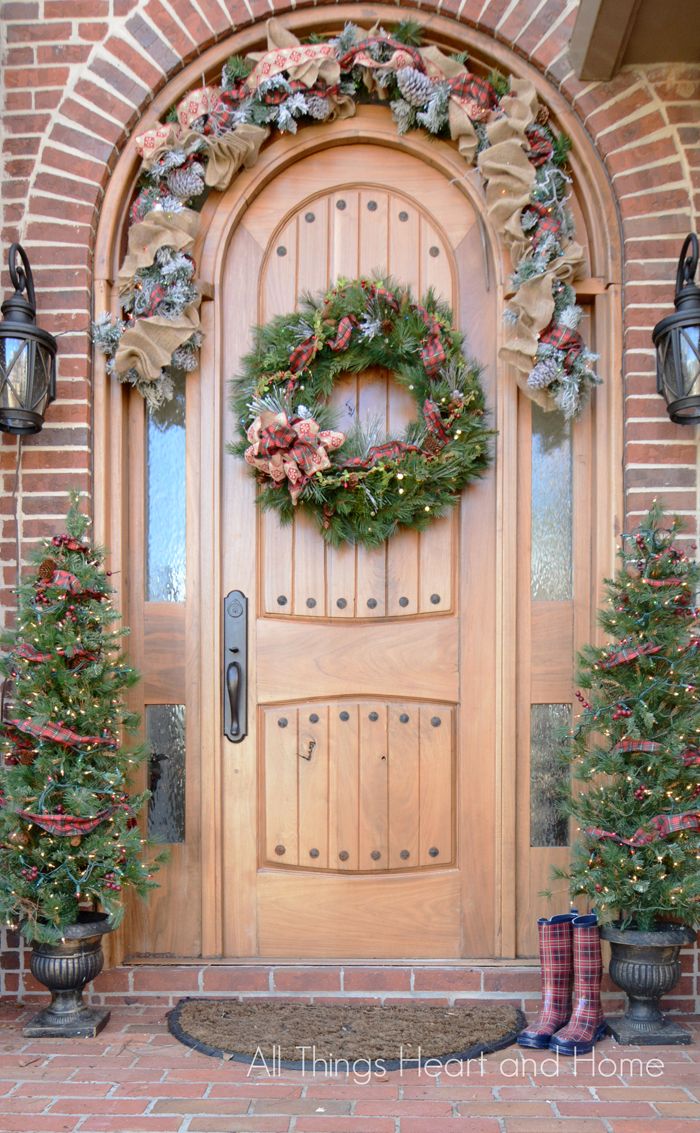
374 484
69 837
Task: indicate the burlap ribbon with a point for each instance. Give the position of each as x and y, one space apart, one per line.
308 63
158 229
226 154
149 344
290 450
461 110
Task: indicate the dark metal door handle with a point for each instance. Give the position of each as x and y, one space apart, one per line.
233 685
235 666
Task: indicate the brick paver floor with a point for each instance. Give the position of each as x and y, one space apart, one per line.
135 1078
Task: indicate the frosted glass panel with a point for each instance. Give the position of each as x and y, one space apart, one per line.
552 507
165 499
548 825
165 730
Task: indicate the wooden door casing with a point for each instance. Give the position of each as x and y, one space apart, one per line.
373 658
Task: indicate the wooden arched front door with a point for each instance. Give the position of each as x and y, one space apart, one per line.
396 794
358 819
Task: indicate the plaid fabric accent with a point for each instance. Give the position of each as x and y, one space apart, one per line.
432 351
691 757
343 334
649 746
541 148
624 656
275 438
563 339
587 1016
347 62
64 580
660 583
303 353
478 94
386 296
58 734
433 420
557 976
661 827
65 825
391 450
29 653
547 224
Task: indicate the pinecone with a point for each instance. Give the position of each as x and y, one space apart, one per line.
184 183
416 88
317 107
353 480
542 115
46 569
432 445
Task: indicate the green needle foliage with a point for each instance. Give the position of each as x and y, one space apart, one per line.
63 765
636 746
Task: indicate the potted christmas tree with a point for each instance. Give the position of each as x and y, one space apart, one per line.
636 749
69 839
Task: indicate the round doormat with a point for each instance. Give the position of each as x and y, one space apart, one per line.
311 1036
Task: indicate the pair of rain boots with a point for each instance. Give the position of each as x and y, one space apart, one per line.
571 1018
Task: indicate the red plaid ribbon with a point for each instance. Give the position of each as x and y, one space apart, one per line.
637 745
433 420
547 223
624 656
59 734
432 351
343 334
563 339
661 827
541 148
303 353
29 653
659 583
691 757
387 297
65 580
65 825
391 450
478 95
348 60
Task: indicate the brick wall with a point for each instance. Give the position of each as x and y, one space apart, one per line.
77 76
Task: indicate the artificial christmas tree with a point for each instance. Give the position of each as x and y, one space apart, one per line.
636 749
69 838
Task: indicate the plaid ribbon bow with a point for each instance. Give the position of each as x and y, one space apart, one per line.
290 450
631 653
541 148
303 353
547 223
343 333
661 827
69 543
433 420
390 450
403 55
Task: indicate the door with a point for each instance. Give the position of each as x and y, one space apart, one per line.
358 816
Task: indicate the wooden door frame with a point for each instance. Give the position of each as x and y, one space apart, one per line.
111 467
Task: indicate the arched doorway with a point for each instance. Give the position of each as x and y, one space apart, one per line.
491 659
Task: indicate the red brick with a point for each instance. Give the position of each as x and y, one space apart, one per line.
235 979
36 32
501 979
166 979
242 1125
36 77
446 979
16 100
136 61
383 1108
19 57
63 53
219 1107
151 42
19 11
376 979
350 1125
306 979
170 29
454 1125
91 9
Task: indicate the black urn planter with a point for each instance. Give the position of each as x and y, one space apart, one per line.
64 968
646 966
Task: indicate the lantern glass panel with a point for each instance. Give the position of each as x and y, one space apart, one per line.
41 386
689 357
15 370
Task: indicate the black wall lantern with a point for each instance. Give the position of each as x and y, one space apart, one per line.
677 342
27 355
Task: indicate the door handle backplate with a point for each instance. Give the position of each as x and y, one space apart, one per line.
235 666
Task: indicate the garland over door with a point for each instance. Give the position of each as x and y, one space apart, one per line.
358 815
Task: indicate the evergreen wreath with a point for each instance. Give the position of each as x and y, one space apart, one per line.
362 486
215 130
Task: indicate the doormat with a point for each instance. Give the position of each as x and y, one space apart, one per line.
311 1036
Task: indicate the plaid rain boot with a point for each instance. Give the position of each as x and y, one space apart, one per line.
557 974
586 1026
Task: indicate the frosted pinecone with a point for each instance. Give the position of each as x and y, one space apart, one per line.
186 183
543 374
416 88
317 107
185 358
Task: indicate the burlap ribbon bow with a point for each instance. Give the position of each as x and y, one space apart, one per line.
290 450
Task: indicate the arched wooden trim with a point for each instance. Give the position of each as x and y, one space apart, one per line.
110 452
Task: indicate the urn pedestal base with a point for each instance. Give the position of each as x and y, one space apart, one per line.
64 968
665 1033
82 1024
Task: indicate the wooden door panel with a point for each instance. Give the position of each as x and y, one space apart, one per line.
356 740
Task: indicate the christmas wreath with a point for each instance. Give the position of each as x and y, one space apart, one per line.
362 486
496 122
